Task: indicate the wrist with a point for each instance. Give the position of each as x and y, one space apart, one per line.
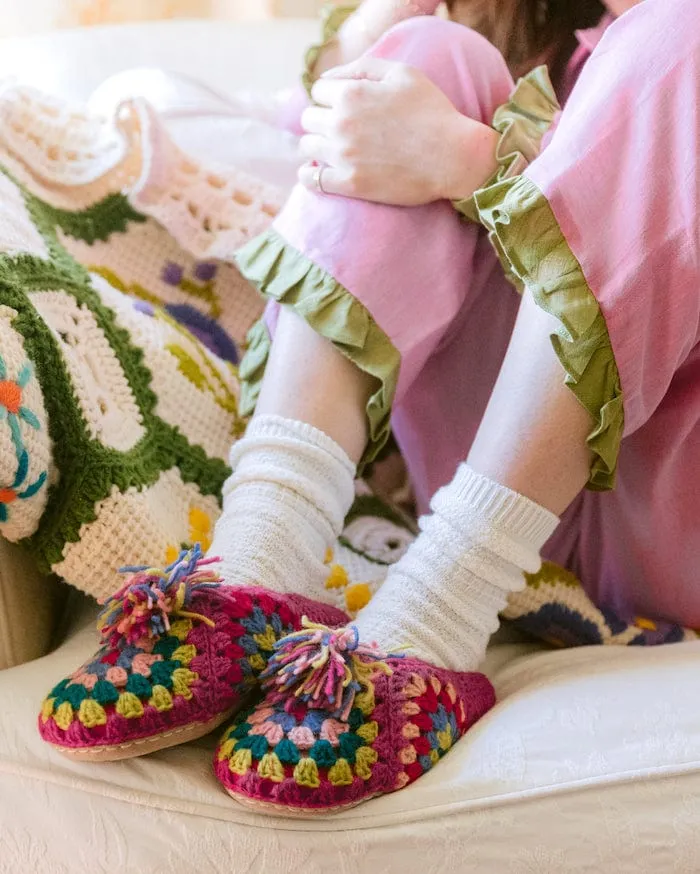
471 158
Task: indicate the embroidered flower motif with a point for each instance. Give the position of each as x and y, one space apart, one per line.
172 274
205 271
201 531
199 285
13 411
11 398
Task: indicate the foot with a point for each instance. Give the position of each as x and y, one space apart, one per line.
342 723
182 652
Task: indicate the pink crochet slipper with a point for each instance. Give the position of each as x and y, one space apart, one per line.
342 723
182 652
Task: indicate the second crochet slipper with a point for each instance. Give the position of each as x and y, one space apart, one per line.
342 723
182 653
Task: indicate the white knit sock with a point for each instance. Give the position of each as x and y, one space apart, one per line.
284 505
441 601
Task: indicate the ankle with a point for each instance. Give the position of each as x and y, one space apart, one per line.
284 506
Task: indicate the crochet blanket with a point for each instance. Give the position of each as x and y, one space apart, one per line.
122 322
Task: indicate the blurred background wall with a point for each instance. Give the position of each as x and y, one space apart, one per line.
34 16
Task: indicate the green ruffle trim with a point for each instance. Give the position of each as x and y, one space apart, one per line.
535 253
283 274
522 123
332 19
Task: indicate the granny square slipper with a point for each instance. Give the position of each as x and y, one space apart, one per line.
182 652
342 723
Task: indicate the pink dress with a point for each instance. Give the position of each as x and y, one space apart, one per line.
620 176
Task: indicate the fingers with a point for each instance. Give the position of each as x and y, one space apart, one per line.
327 180
317 149
352 93
316 120
334 93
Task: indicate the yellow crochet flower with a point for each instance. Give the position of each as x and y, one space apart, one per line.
201 529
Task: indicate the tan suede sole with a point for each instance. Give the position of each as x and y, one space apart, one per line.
144 746
289 812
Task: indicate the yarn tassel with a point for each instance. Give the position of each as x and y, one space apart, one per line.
326 668
151 597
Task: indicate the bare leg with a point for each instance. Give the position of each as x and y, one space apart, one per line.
308 379
532 438
528 462
353 270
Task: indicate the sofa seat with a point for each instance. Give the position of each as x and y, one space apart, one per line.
590 762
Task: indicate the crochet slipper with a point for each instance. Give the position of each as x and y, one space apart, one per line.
342 723
182 652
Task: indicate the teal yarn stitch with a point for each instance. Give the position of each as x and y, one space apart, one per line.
323 754
257 745
166 646
241 731
139 685
348 744
74 694
105 693
162 673
287 752
356 718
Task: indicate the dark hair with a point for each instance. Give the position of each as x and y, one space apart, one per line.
527 31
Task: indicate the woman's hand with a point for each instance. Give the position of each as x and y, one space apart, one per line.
384 132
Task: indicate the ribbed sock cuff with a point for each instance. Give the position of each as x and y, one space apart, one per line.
470 494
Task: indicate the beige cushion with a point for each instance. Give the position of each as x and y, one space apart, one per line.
590 763
28 608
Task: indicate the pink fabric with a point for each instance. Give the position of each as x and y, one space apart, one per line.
431 246
621 173
624 161
289 117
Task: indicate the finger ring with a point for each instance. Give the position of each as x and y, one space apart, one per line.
318 178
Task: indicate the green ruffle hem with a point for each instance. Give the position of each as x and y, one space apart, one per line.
283 274
536 256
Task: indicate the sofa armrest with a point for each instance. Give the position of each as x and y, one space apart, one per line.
29 606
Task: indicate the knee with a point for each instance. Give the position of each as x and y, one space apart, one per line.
427 39
460 61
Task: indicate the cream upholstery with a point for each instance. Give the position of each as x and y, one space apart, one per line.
590 763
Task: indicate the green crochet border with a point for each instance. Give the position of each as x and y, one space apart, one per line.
536 256
282 273
111 215
87 469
